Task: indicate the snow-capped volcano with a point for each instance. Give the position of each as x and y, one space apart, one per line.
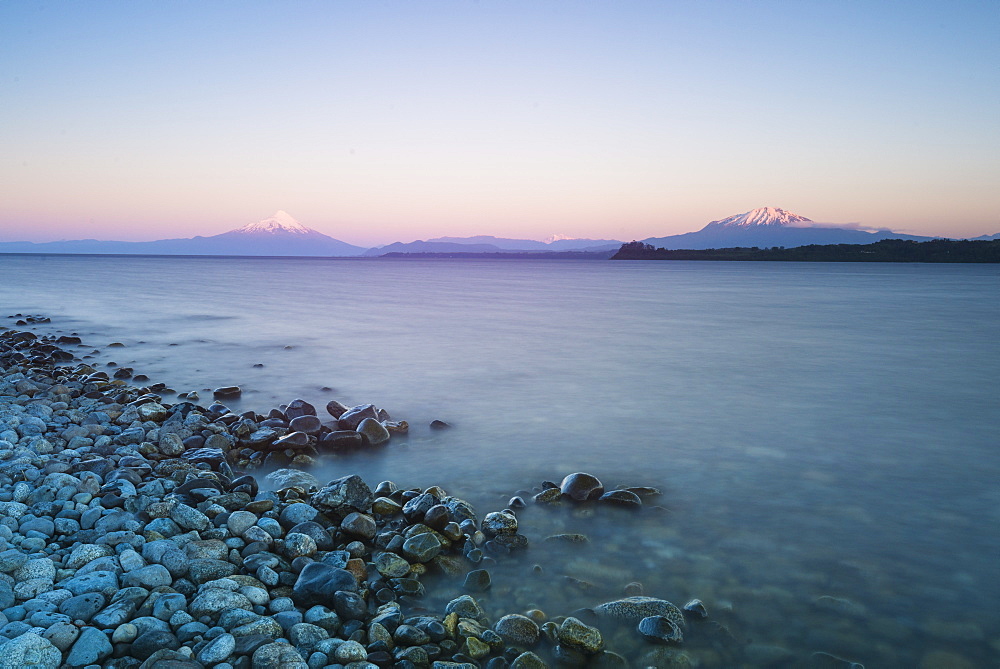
764 216
281 223
767 227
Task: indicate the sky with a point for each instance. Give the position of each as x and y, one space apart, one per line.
376 122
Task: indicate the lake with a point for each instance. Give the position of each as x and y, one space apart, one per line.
825 435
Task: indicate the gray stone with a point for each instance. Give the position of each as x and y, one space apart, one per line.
11 559
421 547
350 651
150 642
634 609
499 523
213 601
189 518
297 544
517 630
343 496
29 650
299 512
240 521
466 607
83 607
278 654
359 525
62 635
171 444
90 648
103 582
149 577
217 650
660 629
205 570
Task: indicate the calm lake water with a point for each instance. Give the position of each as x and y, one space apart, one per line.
825 435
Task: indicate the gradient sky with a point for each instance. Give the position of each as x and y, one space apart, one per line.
382 121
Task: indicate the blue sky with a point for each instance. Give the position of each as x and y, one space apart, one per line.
384 121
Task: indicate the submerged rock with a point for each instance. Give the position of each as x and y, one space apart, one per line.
660 629
581 487
634 609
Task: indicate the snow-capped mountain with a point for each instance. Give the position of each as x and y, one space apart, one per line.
279 224
761 216
769 226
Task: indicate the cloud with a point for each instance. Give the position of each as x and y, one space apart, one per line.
842 226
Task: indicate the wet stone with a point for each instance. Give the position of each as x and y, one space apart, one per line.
634 609
622 498
696 608
359 525
391 565
343 496
517 630
581 487
317 583
422 547
575 634
660 629
499 523
477 580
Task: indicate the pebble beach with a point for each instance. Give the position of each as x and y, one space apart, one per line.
141 532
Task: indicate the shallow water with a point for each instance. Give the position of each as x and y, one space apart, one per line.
825 434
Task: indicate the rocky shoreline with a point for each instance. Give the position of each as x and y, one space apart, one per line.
140 533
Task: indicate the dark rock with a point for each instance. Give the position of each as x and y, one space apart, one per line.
308 424
295 440
417 508
227 392
624 498
214 457
336 409
353 417
696 609
340 440
373 432
421 547
437 517
439 425
318 583
149 642
477 580
299 407
581 487
343 496
349 605
660 629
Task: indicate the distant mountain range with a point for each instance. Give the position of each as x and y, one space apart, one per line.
488 244
279 235
768 227
282 235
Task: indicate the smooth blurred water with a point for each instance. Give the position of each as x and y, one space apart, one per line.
819 430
